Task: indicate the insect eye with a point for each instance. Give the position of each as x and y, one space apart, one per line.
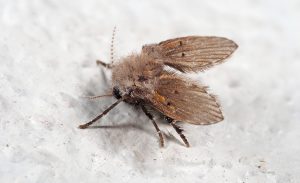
129 90
117 93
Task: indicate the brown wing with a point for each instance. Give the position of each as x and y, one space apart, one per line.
185 101
192 53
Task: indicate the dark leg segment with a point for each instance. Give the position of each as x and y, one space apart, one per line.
150 116
99 62
178 130
101 115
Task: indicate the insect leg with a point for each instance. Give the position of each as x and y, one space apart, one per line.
150 116
178 130
99 62
98 96
102 114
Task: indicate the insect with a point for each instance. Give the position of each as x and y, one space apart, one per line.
154 80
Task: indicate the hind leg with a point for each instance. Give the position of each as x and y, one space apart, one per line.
150 116
178 130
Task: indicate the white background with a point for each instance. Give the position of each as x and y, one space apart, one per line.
48 50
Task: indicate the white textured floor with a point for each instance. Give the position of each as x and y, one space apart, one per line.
47 62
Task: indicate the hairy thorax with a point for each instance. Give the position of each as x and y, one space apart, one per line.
136 75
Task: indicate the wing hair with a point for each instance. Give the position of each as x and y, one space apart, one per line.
192 53
186 101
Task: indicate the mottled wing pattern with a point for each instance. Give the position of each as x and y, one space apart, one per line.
185 101
192 53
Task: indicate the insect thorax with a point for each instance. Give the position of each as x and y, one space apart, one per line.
136 75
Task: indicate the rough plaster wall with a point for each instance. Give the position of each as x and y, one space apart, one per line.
47 62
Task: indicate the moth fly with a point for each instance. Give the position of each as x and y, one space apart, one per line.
144 80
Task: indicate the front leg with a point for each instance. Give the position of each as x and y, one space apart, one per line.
99 62
102 114
150 116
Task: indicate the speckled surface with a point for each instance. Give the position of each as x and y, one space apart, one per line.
47 54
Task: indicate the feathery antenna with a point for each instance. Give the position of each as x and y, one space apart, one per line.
112 46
